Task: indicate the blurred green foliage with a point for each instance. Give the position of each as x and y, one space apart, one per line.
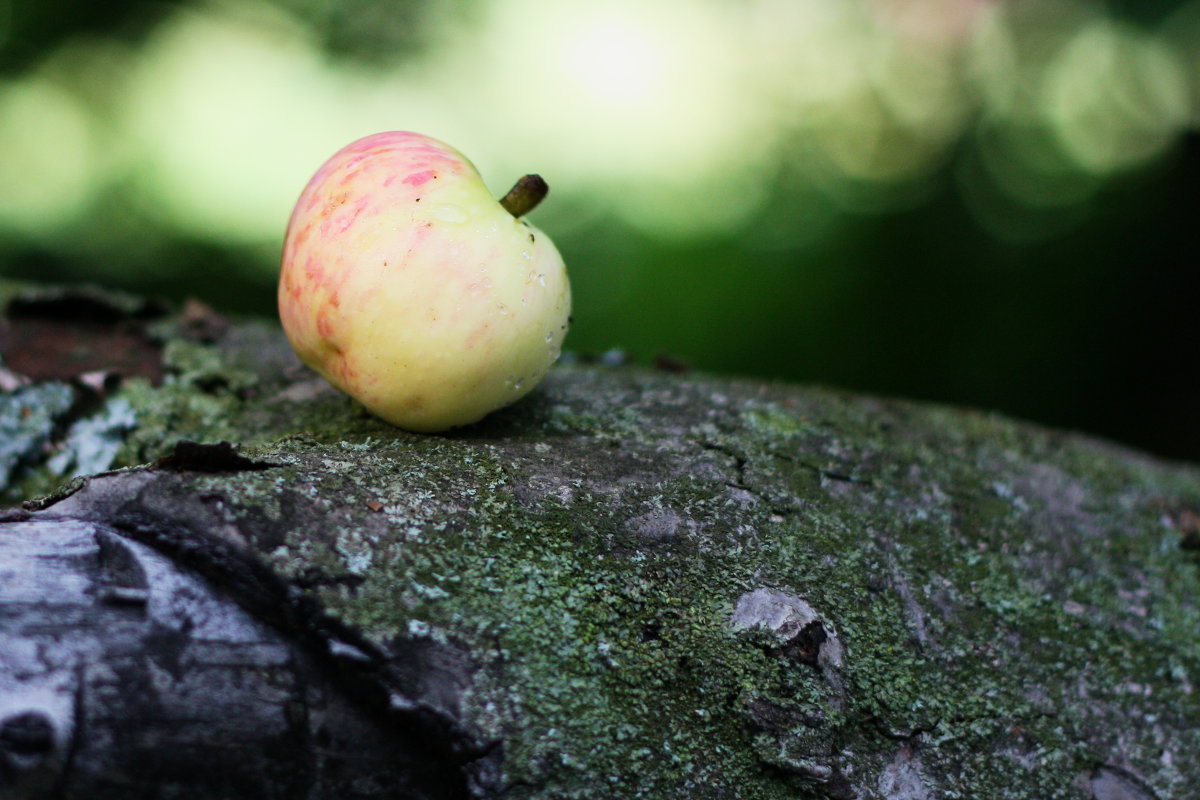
986 202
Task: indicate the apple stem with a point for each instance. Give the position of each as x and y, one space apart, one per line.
524 196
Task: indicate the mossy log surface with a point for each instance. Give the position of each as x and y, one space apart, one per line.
635 584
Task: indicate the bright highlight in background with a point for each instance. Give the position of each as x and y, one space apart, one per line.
614 61
675 116
646 108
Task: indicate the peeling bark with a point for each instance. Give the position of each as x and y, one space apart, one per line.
631 584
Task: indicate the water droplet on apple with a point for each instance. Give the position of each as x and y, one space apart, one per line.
549 337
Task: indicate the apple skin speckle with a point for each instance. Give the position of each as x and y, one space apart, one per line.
422 311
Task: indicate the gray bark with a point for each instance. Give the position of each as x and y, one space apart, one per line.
630 584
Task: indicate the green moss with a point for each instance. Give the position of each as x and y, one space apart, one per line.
595 614
1008 598
598 623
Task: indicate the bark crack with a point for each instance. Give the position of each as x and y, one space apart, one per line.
740 479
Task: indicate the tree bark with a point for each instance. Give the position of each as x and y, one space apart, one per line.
630 584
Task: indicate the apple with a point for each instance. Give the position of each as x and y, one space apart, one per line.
408 286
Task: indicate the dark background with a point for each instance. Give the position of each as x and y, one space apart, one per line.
1036 256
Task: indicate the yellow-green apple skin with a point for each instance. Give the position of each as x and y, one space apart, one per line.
408 286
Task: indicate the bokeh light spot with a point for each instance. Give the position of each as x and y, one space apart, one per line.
47 169
1114 97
